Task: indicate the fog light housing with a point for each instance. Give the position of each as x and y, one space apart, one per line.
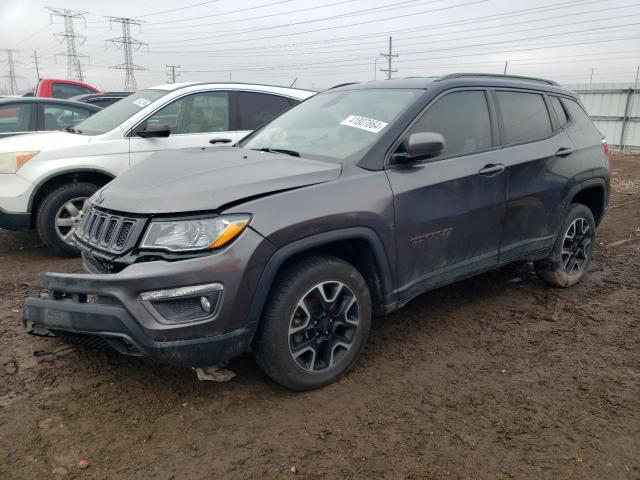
184 304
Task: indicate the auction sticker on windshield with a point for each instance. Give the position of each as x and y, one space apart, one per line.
142 102
364 123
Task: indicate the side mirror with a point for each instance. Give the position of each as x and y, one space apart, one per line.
419 146
153 130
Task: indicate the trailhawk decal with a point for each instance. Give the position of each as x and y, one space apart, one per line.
364 123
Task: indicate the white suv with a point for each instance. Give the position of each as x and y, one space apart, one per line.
46 177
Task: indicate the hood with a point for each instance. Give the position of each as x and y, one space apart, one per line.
197 179
44 142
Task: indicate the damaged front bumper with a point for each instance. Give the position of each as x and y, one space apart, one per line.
147 309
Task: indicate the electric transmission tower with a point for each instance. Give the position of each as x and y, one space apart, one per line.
389 56
128 44
172 74
13 86
71 39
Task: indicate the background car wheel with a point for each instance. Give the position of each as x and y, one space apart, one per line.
572 251
315 323
59 215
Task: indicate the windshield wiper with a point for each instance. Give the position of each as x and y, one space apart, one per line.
293 153
72 130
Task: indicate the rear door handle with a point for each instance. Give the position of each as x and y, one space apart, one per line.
220 140
492 169
564 152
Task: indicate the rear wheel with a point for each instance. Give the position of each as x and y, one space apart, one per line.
315 324
572 251
60 213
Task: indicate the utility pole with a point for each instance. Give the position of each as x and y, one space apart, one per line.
35 61
293 83
128 44
506 64
375 68
13 86
74 68
591 77
172 72
389 56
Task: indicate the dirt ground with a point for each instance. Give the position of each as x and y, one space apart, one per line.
496 377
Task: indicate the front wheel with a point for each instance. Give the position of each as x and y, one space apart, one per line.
572 250
60 213
315 324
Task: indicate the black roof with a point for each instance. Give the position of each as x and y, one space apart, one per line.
44 100
459 79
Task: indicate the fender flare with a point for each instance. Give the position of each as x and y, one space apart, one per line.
592 182
286 252
62 173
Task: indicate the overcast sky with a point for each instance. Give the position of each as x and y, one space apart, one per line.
326 42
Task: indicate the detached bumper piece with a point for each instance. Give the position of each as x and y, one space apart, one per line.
99 320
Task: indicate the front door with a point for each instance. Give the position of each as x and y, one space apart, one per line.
449 209
196 120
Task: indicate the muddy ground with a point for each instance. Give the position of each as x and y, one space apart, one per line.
496 377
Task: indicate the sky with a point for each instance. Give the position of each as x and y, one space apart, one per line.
321 43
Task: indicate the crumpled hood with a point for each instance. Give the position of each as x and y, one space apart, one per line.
45 142
197 179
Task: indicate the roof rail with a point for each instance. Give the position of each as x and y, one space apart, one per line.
495 75
342 85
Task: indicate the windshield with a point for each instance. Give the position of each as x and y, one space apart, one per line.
114 115
333 125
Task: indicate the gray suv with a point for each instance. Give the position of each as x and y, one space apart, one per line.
349 205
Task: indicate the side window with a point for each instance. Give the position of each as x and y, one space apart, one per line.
15 117
197 113
581 119
462 118
524 115
559 109
57 117
64 90
254 109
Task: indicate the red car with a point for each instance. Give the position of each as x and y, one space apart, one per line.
52 88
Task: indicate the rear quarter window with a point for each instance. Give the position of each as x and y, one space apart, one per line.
581 119
524 116
561 114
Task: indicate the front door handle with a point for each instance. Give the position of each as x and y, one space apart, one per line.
220 140
564 152
492 169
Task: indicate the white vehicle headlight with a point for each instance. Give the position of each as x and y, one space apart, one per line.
10 162
194 235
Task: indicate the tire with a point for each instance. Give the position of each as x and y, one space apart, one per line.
52 207
572 251
303 357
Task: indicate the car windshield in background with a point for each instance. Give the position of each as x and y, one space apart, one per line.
114 115
333 125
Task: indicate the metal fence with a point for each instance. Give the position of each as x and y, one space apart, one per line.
615 110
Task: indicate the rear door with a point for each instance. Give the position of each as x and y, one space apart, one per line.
253 109
195 120
449 209
536 153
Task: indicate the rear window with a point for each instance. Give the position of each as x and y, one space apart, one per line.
559 109
64 90
255 109
524 115
15 117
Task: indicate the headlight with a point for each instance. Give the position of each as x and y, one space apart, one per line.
193 235
12 161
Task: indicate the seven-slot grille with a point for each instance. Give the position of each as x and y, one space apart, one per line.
106 231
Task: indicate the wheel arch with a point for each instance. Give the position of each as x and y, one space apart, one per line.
359 246
50 183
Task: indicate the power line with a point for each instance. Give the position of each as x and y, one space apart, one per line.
389 56
128 44
74 68
176 9
11 75
172 74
